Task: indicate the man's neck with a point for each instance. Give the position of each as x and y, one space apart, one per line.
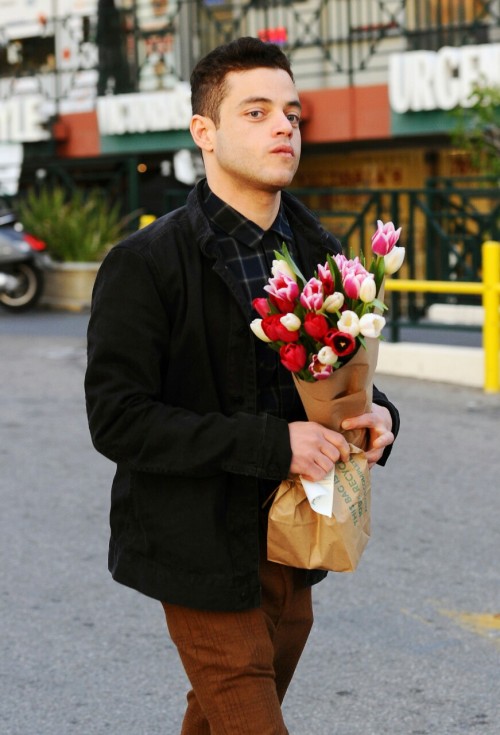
258 206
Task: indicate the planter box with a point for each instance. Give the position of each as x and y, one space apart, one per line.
69 286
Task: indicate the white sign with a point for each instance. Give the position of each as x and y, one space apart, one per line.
24 18
21 119
441 80
142 113
11 159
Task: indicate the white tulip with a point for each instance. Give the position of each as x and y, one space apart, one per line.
393 260
256 327
327 356
282 267
291 322
334 302
349 323
368 290
371 325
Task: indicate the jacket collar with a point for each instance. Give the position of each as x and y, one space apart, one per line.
311 238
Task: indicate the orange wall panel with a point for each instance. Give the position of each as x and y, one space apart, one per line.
77 135
350 113
372 112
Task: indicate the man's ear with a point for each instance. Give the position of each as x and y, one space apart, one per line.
202 130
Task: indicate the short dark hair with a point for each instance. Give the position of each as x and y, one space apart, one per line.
208 79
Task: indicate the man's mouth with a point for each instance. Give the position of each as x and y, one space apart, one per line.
286 150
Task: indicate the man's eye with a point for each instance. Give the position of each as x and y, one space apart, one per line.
294 118
255 113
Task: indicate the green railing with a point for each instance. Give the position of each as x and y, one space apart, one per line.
444 226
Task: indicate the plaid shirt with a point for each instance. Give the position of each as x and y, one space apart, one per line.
249 252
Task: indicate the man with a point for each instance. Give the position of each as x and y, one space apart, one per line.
201 420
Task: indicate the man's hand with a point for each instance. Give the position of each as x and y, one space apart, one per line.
379 425
315 449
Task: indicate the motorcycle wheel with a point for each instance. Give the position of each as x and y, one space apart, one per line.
27 292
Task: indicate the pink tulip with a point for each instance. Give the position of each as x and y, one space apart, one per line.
283 292
326 279
385 237
319 370
351 285
312 295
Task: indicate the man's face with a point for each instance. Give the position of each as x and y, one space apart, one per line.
257 141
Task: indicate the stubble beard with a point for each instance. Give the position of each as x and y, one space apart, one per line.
269 180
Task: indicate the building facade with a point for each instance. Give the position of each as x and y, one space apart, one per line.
100 88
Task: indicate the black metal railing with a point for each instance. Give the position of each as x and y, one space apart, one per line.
444 226
444 223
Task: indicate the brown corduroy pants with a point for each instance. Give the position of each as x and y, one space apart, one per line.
240 664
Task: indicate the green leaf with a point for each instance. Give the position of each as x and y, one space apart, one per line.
284 254
379 272
337 277
379 305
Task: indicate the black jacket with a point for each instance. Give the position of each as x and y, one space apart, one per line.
171 399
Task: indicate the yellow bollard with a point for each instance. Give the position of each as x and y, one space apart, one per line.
491 326
145 220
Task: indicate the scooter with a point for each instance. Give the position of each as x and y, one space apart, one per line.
22 263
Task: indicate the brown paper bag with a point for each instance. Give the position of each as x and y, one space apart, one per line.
299 537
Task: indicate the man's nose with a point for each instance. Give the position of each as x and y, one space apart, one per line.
283 125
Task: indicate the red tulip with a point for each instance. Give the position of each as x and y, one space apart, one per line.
274 329
342 344
293 357
261 306
315 325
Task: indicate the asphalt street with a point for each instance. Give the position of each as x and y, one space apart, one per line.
409 644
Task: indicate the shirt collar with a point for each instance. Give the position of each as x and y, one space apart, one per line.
236 225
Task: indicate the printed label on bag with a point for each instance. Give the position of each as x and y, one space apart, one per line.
351 485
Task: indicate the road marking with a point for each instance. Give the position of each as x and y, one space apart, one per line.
486 625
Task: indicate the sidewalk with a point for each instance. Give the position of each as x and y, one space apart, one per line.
446 351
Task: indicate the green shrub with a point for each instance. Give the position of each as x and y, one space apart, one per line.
81 226
477 128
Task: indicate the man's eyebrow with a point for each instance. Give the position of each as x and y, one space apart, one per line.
266 100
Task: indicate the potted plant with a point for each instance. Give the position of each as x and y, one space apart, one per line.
79 228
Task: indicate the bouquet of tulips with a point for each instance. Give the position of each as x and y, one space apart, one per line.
326 330
318 324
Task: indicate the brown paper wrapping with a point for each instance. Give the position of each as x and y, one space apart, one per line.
298 536
345 394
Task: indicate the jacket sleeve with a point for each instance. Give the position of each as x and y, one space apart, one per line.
129 335
382 400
